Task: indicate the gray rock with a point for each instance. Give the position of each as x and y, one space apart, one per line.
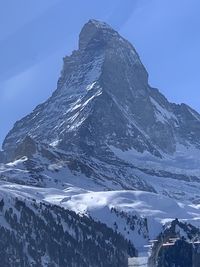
103 100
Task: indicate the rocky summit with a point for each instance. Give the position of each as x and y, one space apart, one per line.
103 99
107 144
105 117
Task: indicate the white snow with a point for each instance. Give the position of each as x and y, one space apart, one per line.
194 114
185 160
162 114
90 86
138 262
17 162
156 208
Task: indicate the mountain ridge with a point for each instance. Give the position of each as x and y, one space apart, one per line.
86 87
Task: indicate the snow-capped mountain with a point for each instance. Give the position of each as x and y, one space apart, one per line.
107 145
103 99
105 122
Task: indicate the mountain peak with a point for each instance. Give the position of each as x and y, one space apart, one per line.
103 99
94 31
99 24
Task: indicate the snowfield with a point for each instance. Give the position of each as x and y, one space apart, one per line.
114 208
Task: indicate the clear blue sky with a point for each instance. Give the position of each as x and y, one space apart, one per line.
35 35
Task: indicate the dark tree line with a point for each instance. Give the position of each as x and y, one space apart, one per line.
36 233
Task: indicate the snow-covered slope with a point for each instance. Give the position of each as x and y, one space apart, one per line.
35 233
51 167
137 215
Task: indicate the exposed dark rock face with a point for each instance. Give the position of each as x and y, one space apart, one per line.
26 148
2 159
103 98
